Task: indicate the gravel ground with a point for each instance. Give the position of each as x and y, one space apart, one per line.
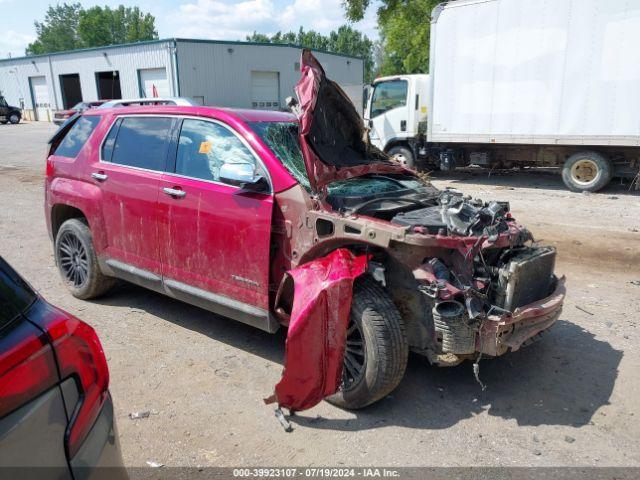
569 400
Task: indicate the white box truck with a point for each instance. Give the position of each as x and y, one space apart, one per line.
521 83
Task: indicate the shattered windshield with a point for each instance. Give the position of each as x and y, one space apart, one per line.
282 139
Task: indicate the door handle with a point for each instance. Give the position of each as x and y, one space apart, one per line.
101 177
174 192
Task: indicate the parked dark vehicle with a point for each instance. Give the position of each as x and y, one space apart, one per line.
55 407
9 113
63 115
214 206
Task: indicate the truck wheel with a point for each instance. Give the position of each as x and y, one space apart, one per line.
77 261
586 172
13 119
377 350
402 155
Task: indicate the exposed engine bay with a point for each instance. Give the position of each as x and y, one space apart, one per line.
460 276
461 271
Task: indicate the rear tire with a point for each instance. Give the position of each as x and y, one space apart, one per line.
381 353
586 172
403 155
77 261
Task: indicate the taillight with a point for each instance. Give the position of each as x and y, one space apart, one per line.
50 168
80 356
27 367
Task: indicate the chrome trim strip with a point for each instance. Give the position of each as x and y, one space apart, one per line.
215 298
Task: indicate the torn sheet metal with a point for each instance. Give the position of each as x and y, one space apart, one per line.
332 135
323 290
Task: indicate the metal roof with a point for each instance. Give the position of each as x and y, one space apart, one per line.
174 40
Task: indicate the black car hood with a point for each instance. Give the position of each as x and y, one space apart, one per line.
334 142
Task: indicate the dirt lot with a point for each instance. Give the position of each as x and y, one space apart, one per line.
570 400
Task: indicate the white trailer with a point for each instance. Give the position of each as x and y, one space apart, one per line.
516 83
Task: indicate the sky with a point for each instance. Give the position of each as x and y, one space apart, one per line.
212 19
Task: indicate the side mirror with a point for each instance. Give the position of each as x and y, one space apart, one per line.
242 175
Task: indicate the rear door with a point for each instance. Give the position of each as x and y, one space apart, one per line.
32 415
214 236
133 157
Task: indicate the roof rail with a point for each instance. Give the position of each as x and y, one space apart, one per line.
136 102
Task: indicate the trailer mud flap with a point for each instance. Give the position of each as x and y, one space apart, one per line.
323 290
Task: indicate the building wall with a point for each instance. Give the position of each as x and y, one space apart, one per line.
127 60
221 72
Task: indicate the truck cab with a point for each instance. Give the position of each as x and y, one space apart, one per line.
9 113
396 115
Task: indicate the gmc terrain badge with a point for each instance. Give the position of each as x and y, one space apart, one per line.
238 278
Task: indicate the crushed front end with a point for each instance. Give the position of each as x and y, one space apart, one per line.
489 288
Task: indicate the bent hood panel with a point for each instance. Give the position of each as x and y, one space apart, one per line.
332 136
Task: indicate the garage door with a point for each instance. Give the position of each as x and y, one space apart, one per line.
151 78
265 90
40 95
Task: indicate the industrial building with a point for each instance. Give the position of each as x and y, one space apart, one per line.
212 72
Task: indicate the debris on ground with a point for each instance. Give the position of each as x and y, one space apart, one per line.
584 310
141 414
283 421
153 464
569 439
635 282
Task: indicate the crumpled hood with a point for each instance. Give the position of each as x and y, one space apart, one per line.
334 142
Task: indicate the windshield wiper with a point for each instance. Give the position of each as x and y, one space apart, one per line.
414 201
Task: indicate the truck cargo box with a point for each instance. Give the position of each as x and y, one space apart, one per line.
562 72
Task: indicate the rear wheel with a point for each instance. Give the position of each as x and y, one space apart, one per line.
376 350
77 261
402 155
586 172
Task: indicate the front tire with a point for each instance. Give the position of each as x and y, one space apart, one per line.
14 119
376 351
77 261
402 155
586 172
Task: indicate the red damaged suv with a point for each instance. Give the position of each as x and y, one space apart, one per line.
260 216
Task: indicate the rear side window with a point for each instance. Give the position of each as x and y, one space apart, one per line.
140 142
15 294
77 136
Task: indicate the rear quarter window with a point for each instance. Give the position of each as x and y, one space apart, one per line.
77 136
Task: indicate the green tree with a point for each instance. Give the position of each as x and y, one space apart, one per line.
344 40
58 31
100 26
67 27
404 33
